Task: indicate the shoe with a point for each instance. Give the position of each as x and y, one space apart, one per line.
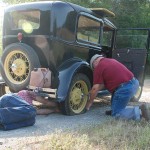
108 112
145 112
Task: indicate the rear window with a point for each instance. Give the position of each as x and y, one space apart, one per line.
26 20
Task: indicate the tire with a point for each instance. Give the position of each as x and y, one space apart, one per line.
17 62
75 102
2 89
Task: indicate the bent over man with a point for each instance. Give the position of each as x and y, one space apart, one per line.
121 83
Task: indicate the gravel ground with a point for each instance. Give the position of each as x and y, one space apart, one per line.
48 124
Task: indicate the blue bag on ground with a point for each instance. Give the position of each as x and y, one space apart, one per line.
15 112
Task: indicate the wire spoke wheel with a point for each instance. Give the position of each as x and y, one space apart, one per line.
17 66
77 100
17 62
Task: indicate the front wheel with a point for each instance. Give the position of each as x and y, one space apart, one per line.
77 98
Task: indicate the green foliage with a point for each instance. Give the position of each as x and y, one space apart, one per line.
17 1
129 13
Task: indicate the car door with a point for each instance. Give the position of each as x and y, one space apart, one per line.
131 49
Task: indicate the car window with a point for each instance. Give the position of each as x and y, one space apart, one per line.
88 30
107 38
65 20
26 20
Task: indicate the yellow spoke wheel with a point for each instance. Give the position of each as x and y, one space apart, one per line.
77 98
17 66
17 62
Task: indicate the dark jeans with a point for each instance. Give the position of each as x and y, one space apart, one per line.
15 112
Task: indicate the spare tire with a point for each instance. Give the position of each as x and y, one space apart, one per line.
17 62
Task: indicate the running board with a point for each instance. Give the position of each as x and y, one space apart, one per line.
45 92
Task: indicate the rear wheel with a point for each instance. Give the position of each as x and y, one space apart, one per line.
77 96
17 62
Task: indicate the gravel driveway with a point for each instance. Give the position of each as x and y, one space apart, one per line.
48 124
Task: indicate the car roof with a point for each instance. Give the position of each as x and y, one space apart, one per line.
31 5
45 5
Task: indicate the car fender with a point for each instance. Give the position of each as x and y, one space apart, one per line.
66 74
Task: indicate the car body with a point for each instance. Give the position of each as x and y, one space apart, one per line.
60 36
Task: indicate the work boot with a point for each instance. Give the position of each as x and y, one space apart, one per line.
145 112
108 112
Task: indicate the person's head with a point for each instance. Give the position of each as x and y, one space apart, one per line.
94 60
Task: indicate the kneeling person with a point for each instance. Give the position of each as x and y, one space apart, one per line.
118 80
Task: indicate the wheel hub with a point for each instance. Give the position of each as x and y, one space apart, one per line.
76 96
18 67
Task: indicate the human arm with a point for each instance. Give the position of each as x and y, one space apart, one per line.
93 94
45 101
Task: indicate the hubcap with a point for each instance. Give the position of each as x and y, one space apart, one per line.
16 67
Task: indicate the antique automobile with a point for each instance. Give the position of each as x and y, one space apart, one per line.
63 37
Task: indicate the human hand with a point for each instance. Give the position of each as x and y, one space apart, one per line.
89 104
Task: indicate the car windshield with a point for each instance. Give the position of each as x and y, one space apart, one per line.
26 20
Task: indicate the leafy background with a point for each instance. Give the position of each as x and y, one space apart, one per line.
129 13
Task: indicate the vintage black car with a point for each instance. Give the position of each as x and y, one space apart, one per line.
63 37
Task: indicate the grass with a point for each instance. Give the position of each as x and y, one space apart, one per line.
122 135
112 134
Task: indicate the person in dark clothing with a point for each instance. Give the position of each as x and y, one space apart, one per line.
121 83
30 96
15 112
17 109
